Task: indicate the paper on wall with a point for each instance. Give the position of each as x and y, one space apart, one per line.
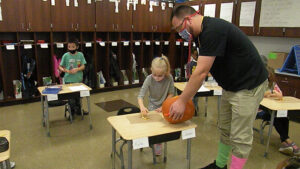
247 13
116 7
226 11
171 5
151 6
76 3
210 10
67 2
143 2
44 45
89 1
53 2
163 5
10 47
0 13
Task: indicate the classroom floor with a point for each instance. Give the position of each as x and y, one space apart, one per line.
74 146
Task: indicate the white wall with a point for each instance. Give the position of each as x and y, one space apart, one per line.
265 45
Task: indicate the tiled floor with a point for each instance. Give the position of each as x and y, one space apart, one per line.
74 146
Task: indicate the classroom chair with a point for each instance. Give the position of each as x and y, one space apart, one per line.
265 120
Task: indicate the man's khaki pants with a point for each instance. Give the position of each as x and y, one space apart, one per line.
238 112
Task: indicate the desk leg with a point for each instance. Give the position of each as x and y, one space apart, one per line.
219 104
47 116
270 132
7 164
113 147
43 111
129 143
188 154
165 152
206 103
89 110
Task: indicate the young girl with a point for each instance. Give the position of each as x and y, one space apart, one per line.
160 85
281 124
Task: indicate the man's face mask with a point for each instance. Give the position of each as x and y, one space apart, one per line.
184 33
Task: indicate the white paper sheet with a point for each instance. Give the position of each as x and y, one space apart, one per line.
52 97
60 45
282 113
102 44
53 2
77 88
126 43
88 44
10 47
140 143
27 46
196 7
1 13
203 89
67 2
247 14
189 133
163 5
76 3
143 2
84 93
210 10
116 7
44 45
166 43
89 1
226 11
147 43
114 44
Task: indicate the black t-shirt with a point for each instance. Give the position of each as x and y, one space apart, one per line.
237 65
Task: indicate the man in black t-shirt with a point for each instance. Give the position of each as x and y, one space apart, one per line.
232 59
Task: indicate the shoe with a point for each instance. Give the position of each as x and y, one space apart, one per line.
85 113
12 164
296 149
214 166
286 149
157 149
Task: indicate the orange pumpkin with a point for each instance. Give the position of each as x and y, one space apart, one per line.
188 112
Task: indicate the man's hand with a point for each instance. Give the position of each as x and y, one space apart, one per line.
177 110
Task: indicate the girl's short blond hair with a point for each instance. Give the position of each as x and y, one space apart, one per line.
161 63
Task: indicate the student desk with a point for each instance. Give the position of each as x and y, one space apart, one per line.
65 93
287 103
132 126
4 156
181 85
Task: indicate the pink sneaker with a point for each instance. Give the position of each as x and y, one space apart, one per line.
157 149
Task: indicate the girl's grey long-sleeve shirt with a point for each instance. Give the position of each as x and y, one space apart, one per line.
158 91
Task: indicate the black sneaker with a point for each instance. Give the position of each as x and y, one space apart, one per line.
214 166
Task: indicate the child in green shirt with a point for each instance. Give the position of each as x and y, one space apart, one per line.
73 64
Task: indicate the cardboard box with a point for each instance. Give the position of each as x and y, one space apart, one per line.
276 59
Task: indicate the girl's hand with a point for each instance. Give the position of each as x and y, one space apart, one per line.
159 109
144 111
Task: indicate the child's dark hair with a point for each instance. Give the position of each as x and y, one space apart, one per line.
74 40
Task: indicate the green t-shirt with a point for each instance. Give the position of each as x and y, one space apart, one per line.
69 62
